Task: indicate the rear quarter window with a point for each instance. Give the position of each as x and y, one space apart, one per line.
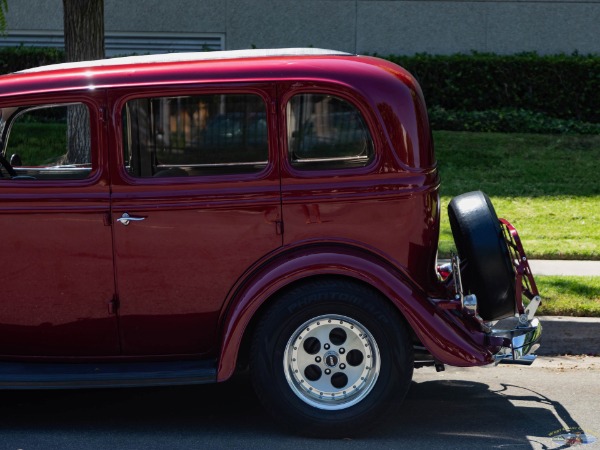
326 132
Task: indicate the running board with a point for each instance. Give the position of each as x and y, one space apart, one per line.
34 375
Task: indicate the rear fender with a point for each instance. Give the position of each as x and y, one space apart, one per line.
447 341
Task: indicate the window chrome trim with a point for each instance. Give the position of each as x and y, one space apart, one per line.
333 159
176 166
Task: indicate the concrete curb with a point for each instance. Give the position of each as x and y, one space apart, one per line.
570 335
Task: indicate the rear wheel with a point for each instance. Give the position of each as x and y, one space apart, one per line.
488 271
330 358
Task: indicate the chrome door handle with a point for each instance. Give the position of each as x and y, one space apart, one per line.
126 218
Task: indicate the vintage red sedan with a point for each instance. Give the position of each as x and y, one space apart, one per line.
171 218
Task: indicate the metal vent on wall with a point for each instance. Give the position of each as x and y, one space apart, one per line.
123 43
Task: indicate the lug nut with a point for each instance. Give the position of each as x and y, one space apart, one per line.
327 346
342 351
318 359
342 366
327 372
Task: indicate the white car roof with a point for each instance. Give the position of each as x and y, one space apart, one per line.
190 56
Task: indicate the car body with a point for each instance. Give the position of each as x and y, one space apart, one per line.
191 197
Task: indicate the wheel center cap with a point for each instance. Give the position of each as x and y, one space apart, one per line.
331 359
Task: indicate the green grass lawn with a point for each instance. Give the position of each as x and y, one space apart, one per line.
569 296
546 185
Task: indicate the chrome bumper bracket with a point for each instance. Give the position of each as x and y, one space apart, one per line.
522 342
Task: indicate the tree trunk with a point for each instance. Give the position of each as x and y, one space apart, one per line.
84 40
84 29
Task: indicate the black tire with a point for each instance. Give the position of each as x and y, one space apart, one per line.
488 271
336 312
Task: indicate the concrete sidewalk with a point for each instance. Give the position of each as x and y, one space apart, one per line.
562 267
559 267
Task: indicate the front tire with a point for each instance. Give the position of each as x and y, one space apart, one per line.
330 358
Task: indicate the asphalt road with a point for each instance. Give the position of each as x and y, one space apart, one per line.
480 408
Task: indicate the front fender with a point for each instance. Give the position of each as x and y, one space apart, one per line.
446 339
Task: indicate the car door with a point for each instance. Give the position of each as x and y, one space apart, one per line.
195 203
56 255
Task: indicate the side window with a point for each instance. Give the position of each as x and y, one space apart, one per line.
50 142
195 135
326 132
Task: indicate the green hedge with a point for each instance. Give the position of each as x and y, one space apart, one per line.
560 86
13 59
478 91
507 120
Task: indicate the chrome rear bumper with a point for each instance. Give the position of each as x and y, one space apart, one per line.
522 341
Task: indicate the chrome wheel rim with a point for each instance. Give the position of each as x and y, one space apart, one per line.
331 362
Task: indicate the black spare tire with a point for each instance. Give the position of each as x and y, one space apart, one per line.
488 272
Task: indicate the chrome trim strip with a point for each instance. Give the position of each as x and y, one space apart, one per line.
359 158
250 163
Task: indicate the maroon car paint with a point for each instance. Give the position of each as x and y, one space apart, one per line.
192 276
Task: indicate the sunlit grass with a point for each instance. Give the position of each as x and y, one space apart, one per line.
550 227
546 185
569 296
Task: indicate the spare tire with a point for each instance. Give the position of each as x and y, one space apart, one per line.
488 271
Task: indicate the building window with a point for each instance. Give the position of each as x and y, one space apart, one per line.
124 43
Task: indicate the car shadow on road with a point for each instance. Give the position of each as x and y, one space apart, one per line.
448 413
468 414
